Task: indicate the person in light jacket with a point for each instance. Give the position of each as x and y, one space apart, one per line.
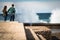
11 11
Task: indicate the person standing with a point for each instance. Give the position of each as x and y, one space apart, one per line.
11 11
5 13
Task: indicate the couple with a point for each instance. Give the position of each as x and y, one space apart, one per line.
11 11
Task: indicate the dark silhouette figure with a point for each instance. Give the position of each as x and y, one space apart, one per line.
5 13
11 11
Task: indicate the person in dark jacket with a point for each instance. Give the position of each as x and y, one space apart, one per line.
5 13
11 11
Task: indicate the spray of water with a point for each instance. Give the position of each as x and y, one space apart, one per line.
55 17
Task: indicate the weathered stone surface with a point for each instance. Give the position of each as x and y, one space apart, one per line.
41 30
12 31
41 37
57 35
31 35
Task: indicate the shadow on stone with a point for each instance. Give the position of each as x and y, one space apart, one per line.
55 38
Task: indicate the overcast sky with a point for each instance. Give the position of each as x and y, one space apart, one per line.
25 0
37 6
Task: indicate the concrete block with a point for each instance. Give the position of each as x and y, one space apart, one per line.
12 31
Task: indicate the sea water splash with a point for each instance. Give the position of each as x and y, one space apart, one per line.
55 17
27 12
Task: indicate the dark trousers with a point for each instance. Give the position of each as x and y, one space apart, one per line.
5 18
12 17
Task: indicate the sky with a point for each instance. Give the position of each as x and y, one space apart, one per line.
28 8
36 6
25 0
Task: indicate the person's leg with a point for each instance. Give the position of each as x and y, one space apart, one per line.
4 18
10 18
13 17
